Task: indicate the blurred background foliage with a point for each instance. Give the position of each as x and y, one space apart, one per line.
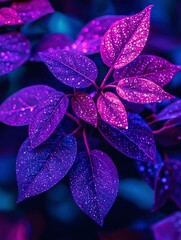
53 215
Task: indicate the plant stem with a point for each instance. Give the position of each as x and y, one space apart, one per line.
85 141
163 128
109 86
76 130
106 77
73 118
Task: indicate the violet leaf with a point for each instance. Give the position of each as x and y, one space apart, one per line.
8 16
112 110
39 169
85 108
32 9
49 43
125 39
149 171
94 184
70 67
17 109
162 186
89 39
136 142
153 68
175 194
168 228
46 116
173 110
14 51
140 90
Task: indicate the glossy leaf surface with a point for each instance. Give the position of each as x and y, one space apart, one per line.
46 116
125 39
112 110
94 184
40 169
16 110
85 108
70 67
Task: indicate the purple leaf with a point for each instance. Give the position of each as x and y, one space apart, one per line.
125 39
137 142
162 186
149 171
173 110
168 228
94 184
175 193
85 108
16 110
14 51
40 169
153 68
46 116
50 42
89 39
70 67
112 110
32 9
9 16
140 90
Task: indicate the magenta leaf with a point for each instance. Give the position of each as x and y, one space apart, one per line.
173 110
32 9
14 51
168 228
8 16
153 68
162 186
46 116
40 169
70 67
125 39
89 39
49 43
94 184
140 90
85 108
112 110
16 109
136 142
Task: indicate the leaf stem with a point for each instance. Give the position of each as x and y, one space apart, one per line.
73 118
76 130
163 128
109 86
106 77
85 141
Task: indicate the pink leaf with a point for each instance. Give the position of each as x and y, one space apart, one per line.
46 116
140 90
32 9
85 108
89 39
125 39
9 16
112 110
16 110
150 67
14 51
